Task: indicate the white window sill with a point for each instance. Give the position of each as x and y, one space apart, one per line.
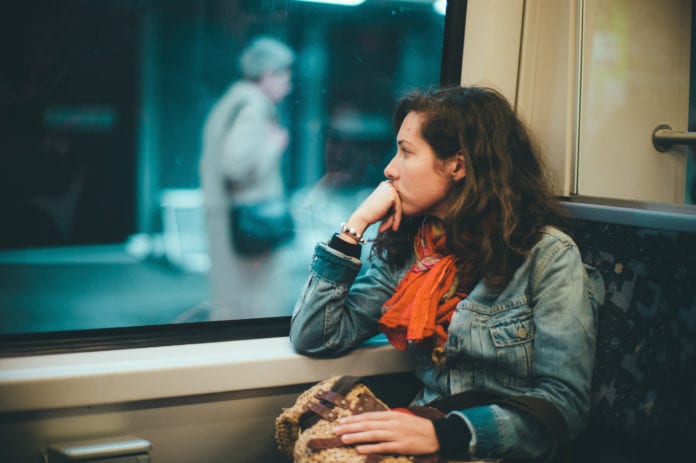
92 378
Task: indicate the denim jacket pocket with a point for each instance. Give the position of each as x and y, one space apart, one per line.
513 338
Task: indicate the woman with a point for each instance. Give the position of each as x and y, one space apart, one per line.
470 271
243 145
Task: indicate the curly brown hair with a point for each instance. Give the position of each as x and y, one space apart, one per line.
498 211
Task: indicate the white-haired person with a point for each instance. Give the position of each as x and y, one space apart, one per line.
243 144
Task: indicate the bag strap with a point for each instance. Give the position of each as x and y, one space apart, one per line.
328 400
343 386
542 410
345 383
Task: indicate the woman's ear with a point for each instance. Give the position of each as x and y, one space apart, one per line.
458 166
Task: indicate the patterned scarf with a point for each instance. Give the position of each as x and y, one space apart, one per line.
424 301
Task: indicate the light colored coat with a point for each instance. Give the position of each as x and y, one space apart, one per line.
242 147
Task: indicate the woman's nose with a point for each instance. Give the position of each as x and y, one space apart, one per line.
390 171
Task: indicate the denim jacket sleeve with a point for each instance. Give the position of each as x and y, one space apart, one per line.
565 296
338 310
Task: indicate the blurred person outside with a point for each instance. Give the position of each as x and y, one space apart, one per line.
243 143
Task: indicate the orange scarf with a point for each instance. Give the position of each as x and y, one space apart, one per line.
424 301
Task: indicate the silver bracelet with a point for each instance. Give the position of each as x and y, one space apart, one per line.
351 231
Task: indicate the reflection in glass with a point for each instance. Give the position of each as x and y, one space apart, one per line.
104 105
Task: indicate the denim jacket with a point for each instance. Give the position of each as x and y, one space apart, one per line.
536 337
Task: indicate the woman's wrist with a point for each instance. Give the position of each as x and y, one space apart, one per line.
348 238
453 435
357 221
350 234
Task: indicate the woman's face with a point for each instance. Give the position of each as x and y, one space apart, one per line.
419 176
276 84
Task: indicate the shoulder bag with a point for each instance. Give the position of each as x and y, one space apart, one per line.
304 431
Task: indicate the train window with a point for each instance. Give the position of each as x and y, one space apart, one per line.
608 89
600 82
133 132
636 77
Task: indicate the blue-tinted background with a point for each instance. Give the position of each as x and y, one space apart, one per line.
103 102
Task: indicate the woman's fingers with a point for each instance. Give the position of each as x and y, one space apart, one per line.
376 416
387 223
393 219
398 211
388 432
383 204
371 435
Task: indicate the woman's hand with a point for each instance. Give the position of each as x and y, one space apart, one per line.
388 432
383 204
278 136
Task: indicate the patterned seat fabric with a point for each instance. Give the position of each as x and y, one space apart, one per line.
644 384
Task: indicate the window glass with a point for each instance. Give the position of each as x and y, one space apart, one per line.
132 139
635 79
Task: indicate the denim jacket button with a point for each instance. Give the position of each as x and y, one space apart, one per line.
439 356
522 332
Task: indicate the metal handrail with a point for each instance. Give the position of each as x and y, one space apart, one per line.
664 137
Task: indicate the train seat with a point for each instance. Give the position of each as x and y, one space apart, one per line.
644 383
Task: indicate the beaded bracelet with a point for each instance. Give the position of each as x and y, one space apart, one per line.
351 231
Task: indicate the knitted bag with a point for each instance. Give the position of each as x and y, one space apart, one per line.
304 431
